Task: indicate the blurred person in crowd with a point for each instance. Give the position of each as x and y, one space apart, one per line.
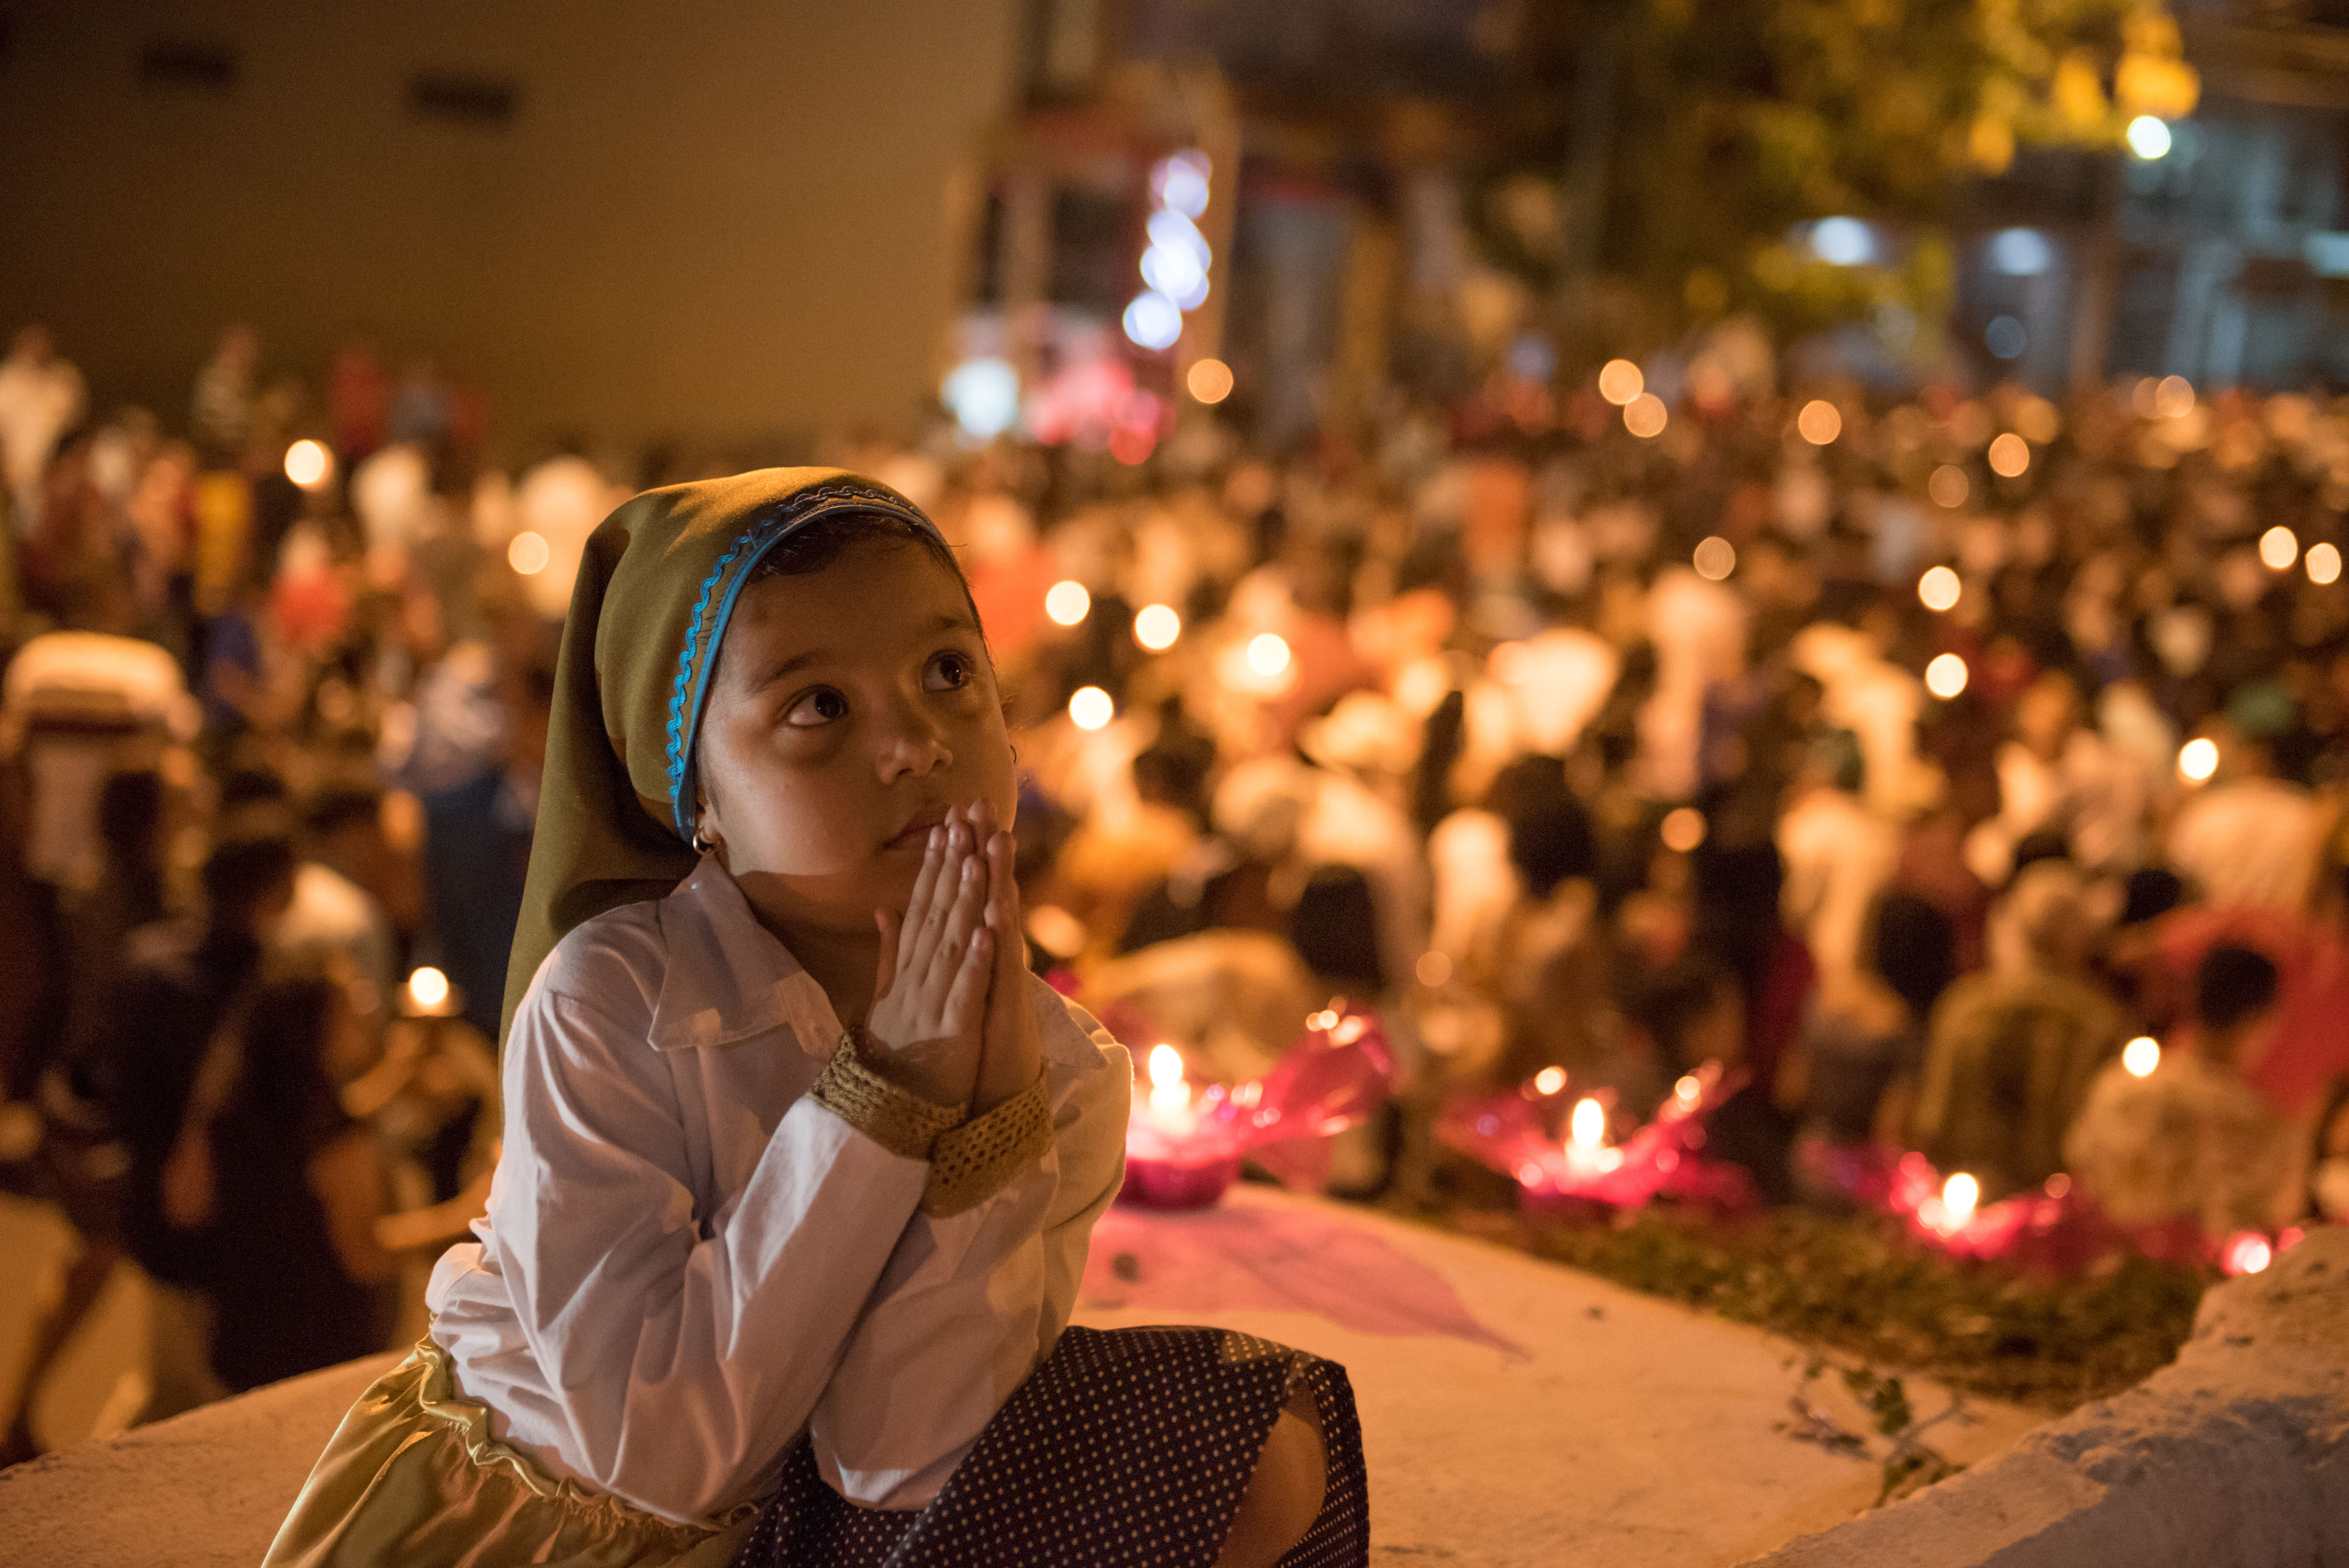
132 891
219 413
189 986
2012 1050
2190 1140
336 909
292 1268
1864 1040
477 838
41 398
358 399
2249 837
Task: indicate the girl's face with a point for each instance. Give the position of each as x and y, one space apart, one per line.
851 710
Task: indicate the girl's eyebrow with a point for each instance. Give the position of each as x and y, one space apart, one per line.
950 621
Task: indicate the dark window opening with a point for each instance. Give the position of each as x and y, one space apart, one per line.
473 101
189 64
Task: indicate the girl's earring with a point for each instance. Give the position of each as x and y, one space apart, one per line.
702 845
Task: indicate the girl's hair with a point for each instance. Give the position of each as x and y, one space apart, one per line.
827 539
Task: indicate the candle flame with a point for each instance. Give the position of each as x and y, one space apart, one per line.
1165 1066
2141 1055
1588 1126
1960 1193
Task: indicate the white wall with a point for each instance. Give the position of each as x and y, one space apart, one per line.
718 219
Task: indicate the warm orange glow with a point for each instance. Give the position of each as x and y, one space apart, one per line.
309 464
528 553
1067 604
1820 422
1090 707
1210 381
1155 627
1645 416
1619 381
1938 589
2009 456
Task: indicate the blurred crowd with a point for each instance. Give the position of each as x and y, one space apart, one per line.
1963 773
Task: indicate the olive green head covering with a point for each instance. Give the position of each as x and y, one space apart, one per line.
656 586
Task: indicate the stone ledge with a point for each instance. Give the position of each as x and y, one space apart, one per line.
206 1489
2237 1454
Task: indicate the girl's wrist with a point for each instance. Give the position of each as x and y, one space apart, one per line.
927 1069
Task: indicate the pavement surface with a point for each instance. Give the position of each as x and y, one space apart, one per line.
1512 1411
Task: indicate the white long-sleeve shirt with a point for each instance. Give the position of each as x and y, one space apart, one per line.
686 1261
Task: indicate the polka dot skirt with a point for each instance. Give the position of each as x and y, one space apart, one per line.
1127 1447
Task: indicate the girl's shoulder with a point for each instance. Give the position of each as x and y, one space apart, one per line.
613 964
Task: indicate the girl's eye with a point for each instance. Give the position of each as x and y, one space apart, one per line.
821 706
949 671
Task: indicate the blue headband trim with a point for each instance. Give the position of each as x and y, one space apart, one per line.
691 692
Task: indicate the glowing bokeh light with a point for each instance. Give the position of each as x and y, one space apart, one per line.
1843 242
1155 627
2009 456
1619 381
528 553
1682 830
2141 1055
1433 969
1153 321
2149 138
2279 548
1268 655
1090 707
2246 1253
1210 381
2173 397
1938 589
984 396
1715 559
1948 487
427 988
1645 416
1549 1080
2197 759
308 463
1068 603
1820 422
1945 677
2323 564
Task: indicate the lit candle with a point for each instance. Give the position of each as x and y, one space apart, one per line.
1170 1097
1960 1194
1586 1153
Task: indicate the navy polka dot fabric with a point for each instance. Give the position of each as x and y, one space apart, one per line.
1126 1447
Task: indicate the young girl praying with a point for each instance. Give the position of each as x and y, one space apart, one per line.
800 1160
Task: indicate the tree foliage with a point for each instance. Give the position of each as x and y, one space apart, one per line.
1732 125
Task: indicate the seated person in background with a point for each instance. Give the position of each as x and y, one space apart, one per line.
2191 1139
1864 1042
2012 1050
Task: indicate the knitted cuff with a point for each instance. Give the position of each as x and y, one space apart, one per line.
977 1159
899 1122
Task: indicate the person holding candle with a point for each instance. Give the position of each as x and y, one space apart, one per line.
758 1284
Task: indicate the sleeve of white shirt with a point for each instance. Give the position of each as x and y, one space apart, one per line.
972 1303
684 1353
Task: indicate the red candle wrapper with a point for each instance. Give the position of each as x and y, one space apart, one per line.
1332 1079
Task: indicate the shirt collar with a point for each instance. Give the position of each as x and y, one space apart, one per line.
727 977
